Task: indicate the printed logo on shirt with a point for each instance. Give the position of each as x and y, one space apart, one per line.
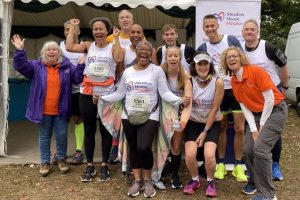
129 85
202 103
91 59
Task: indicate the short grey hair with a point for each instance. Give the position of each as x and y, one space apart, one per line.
251 21
51 44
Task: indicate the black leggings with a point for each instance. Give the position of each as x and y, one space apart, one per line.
89 117
139 139
276 151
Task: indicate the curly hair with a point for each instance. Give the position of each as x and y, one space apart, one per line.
244 60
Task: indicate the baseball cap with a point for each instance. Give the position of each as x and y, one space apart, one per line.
200 57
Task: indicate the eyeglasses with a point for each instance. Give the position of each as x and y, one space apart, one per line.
144 50
231 57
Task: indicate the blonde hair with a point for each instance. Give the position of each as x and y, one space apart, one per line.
244 60
51 44
181 74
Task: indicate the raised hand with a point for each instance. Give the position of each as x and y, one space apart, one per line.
17 42
116 32
75 22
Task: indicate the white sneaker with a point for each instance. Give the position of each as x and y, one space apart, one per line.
160 185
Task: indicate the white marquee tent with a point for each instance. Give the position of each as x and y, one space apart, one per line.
6 17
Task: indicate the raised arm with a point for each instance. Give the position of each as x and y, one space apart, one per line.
70 44
117 50
20 58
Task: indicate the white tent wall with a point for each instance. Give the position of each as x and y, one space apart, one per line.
6 10
6 15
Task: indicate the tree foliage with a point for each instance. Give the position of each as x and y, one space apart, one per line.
276 19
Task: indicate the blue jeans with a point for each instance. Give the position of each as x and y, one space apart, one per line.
60 126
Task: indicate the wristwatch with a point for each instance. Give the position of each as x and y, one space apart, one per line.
285 87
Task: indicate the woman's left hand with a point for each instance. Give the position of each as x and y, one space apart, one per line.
95 99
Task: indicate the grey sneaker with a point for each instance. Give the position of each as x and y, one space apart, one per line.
135 189
159 185
63 167
44 170
149 189
78 157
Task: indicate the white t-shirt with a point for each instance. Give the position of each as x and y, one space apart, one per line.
172 83
141 88
203 99
73 57
129 56
185 65
99 66
259 58
215 51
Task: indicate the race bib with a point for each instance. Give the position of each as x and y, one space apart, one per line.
97 69
139 102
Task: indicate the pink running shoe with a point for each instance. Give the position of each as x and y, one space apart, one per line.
191 187
211 190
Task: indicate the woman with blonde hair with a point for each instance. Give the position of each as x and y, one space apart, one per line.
265 111
180 84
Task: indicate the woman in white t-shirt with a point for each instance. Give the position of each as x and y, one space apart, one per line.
179 83
99 77
202 130
141 85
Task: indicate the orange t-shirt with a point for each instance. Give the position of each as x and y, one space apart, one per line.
249 91
52 91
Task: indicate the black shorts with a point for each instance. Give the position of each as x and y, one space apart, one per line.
229 103
75 104
193 129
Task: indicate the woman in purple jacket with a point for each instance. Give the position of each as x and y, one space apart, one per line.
49 102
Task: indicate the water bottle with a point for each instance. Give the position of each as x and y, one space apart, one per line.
176 125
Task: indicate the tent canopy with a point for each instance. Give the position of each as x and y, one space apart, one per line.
183 4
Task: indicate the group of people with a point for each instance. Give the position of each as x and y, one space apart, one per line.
203 86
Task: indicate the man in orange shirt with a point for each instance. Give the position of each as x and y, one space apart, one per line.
265 111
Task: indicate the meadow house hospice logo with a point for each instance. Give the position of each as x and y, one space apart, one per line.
220 16
230 18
